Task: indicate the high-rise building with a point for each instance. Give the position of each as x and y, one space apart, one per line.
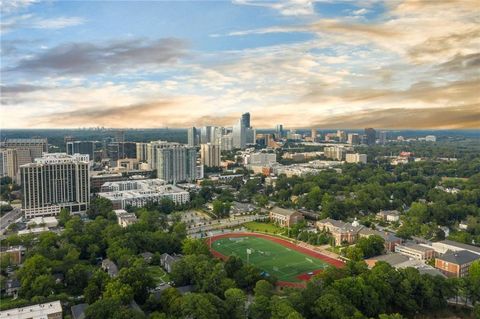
210 155
142 152
382 137
119 137
226 142
370 136
31 148
192 136
239 135
53 182
250 135
334 152
216 134
129 149
8 163
205 134
313 134
81 147
246 119
279 131
342 136
174 162
353 139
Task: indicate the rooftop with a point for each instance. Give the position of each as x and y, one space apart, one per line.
392 259
459 257
460 245
34 311
283 211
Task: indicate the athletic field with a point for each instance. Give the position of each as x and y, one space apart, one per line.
275 256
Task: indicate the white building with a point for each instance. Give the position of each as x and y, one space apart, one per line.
356 158
443 246
334 152
260 158
139 193
53 182
48 310
239 135
226 142
430 138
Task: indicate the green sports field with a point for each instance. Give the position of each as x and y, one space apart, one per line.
286 264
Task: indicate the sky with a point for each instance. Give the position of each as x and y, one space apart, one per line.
395 64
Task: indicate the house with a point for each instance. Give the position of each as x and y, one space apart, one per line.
389 216
341 232
147 256
390 239
16 253
125 218
441 247
12 286
456 263
78 311
110 267
48 310
285 217
167 261
416 251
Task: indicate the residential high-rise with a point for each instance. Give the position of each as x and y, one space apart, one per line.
142 152
53 182
226 142
334 152
210 155
353 139
216 134
356 158
342 136
250 135
279 131
370 136
29 148
246 119
313 134
239 135
81 147
174 162
119 136
192 136
8 163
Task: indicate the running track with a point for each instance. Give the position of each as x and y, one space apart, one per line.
283 242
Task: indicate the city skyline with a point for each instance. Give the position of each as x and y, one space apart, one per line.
304 63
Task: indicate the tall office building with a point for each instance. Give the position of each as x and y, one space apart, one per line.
81 147
53 182
205 134
216 134
174 162
210 155
226 142
28 148
8 163
239 135
246 119
382 137
342 136
370 136
279 131
119 137
192 136
313 134
353 139
250 135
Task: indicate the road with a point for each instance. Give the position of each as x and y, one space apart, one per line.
10 218
225 223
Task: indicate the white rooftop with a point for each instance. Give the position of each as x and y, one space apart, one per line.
39 311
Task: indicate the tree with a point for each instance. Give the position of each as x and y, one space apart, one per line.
263 288
118 291
197 306
192 246
391 316
235 303
282 309
101 206
371 246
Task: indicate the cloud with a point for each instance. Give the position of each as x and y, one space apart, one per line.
284 7
29 21
20 88
9 6
451 117
115 56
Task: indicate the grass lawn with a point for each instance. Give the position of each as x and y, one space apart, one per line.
264 227
286 264
159 275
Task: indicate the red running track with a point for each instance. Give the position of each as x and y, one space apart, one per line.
285 243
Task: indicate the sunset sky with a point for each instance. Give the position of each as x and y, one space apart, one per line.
304 63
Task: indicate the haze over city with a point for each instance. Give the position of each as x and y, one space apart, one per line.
331 64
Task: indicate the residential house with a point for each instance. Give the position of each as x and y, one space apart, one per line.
389 215
285 217
167 261
110 267
147 256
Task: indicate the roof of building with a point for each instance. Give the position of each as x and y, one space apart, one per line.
392 259
389 212
416 247
459 257
460 245
283 211
387 236
345 227
78 311
34 311
110 266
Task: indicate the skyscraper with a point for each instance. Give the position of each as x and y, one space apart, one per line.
279 131
239 135
313 134
205 134
53 182
142 152
8 163
342 136
31 148
382 137
246 119
370 136
192 136
174 162
81 147
210 155
353 139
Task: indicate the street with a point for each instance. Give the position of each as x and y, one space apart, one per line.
9 218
